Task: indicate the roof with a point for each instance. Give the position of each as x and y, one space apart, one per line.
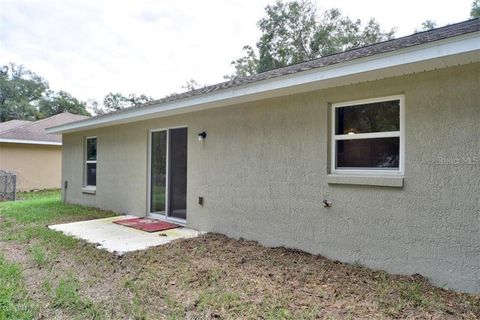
419 40
4 126
34 132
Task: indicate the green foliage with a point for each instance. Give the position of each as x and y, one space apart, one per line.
427 25
294 31
246 65
58 102
191 84
475 12
117 101
19 90
25 95
288 34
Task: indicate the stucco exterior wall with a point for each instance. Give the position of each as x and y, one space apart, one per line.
36 166
263 174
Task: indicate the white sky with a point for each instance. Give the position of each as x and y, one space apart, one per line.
91 47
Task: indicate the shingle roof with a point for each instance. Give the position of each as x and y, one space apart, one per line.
36 130
4 126
437 34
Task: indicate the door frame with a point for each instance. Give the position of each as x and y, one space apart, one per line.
162 215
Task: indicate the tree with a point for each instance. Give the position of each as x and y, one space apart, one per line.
294 32
19 90
191 84
25 95
246 65
427 25
117 101
57 102
475 12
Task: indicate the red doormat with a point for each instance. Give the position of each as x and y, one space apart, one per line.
148 225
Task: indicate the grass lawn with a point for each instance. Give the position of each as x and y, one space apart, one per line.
46 275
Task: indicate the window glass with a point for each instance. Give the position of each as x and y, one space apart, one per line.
381 153
91 162
92 149
365 118
91 174
158 171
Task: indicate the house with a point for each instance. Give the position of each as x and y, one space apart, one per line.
367 156
33 154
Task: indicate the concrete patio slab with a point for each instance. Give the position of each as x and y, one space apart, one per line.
120 239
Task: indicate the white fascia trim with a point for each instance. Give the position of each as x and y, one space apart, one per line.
48 143
273 87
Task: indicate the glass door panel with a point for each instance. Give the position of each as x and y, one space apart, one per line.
158 171
177 192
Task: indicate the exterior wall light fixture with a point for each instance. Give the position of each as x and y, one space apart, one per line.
202 136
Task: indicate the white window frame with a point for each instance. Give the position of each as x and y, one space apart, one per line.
385 134
86 185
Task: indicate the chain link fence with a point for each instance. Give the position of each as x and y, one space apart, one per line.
8 185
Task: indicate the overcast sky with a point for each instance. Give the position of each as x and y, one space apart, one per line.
90 48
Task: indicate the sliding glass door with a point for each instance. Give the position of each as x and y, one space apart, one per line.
168 173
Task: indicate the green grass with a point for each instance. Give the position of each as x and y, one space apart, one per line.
25 222
393 297
39 255
38 194
66 296
218 299
14 301
43 207
44 235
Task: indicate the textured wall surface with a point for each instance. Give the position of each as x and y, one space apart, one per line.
37 166
262 171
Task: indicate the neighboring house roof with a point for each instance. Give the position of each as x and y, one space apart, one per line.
4 126
406 52
34 132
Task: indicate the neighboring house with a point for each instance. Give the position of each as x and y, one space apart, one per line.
369 156
34 155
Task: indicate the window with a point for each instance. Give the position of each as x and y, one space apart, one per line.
367 136
91 161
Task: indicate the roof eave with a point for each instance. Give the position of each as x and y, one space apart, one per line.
429 56
23 141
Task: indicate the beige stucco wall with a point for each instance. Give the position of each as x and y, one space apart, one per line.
36 166
262 171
